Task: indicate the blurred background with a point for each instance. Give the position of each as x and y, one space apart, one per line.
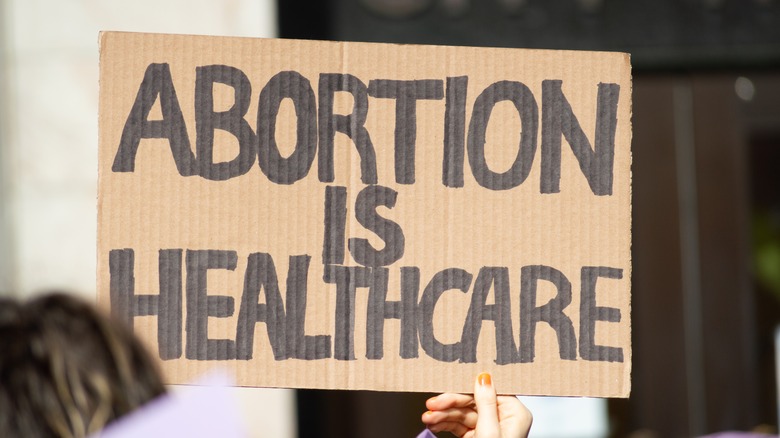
706 185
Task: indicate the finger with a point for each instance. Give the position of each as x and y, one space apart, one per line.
465 416
454 428
487 406
449 400
516 419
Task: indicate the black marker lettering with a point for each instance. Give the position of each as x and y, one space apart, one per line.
126 305
406 94
379 309
390 232
524 102
451 278
232 121
287 85
285 329
551 313
347 280
200 305
454 131
500 313
157 84
353 125
558 119
590 313
335 225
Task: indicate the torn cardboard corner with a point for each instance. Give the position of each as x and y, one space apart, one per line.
368 216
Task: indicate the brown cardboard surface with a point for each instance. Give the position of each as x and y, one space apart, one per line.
467 224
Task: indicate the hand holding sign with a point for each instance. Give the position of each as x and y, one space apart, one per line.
483 415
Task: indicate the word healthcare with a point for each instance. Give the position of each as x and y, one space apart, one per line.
285 322
316 126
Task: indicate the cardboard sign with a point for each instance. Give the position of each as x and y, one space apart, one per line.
368 216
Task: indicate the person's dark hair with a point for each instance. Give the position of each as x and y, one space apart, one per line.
66 370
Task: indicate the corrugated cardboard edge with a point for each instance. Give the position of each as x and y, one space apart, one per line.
629 365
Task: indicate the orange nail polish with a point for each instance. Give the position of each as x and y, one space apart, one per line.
484 379
428 413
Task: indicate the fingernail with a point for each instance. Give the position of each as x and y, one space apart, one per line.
484 379
428 413
431 399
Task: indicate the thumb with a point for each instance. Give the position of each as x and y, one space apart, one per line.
487 407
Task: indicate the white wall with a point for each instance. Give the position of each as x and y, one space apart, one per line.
50 107
48 141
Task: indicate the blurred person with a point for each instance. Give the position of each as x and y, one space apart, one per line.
482 415
66 370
